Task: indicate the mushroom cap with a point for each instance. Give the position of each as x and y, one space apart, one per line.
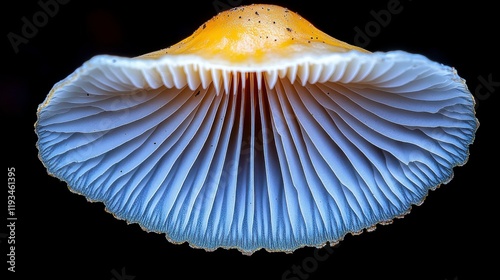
255 37
250 134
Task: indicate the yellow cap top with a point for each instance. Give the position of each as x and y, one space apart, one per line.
254 34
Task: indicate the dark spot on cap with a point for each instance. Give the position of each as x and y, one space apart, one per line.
289 29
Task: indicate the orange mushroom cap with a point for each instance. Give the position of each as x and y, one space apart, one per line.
256 35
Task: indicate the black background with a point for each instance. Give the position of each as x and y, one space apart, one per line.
61 235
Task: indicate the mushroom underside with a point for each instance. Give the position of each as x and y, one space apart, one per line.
256 159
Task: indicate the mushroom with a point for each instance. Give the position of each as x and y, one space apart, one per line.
258 131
